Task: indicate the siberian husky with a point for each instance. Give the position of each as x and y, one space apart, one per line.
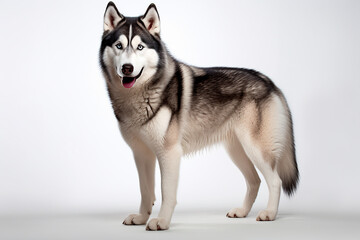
166 109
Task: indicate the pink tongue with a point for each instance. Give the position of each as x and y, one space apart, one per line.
129 84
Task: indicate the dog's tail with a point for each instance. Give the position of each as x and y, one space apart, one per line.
287 166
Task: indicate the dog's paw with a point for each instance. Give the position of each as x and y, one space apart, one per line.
237 213
266 215
157 224
136 219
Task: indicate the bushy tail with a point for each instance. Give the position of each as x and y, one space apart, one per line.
287 166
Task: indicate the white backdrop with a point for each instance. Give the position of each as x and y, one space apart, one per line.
60 148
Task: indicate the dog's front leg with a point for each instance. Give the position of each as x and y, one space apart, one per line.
145 162
169 162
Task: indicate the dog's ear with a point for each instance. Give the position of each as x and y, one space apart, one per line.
111 17
151 20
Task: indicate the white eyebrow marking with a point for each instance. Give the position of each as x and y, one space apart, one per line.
124 42
130 33
136 40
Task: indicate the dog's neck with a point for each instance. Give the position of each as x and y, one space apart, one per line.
137 105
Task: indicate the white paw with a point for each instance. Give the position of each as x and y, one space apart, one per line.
157 224
136 219
237 213
266 215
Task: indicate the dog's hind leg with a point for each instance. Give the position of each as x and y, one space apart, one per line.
241 160
261 133
274 184
261 160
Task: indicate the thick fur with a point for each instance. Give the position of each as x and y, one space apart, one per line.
174 109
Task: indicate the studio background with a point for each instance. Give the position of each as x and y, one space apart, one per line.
60 147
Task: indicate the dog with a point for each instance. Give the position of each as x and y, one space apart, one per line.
167 109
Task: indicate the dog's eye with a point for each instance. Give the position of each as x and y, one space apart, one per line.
118 46
140 47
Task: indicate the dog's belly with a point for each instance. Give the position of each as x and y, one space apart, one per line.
201 134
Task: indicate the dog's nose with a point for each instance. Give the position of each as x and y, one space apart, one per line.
127 69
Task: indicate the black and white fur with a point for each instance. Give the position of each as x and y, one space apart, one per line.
166 109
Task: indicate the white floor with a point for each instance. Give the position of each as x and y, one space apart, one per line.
185 226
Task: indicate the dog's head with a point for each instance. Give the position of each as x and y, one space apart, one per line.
130 46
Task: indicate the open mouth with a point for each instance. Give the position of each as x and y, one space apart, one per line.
128 82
